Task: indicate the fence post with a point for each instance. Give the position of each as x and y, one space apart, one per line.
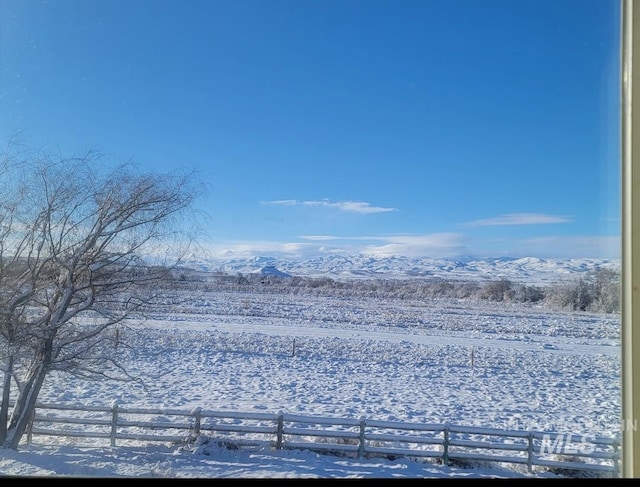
530 453
279 430
197 419
30 425
114 421
445 445
363 422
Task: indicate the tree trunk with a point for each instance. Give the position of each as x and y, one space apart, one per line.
25 407
28 395
4 406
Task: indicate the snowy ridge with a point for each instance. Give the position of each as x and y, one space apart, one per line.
531 270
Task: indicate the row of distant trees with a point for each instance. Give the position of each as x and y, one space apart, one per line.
596 291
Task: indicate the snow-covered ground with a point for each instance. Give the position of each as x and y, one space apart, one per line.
483 364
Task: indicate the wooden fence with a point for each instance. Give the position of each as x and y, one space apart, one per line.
449 444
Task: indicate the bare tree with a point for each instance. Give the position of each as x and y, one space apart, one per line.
597 291
75 241
501 290
606 284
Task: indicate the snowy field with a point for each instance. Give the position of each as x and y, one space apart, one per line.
467 363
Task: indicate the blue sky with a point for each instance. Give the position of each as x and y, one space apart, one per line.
432 128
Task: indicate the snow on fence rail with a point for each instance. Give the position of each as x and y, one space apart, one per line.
362 437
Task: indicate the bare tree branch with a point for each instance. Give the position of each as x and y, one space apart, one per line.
72 239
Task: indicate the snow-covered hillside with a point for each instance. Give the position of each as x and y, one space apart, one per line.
530 270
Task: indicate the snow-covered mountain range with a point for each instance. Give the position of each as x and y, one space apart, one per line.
531 270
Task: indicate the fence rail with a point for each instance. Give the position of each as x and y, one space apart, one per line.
362 437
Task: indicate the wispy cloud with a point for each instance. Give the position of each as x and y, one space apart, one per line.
253 248
432 245
336 237
348 206
520 219
318 238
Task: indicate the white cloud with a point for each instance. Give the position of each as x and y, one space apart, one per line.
347 206
281 202
336 237
320 237
521 219
434 245
250 249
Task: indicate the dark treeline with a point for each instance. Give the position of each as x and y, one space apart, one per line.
597 291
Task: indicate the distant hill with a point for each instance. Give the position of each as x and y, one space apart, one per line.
271 270
531 270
